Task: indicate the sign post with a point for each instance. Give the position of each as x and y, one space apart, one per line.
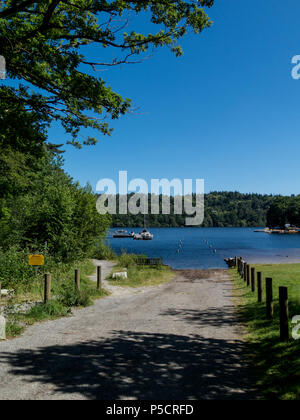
36 259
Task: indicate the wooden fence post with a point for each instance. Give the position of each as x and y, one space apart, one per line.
77 280
245 271
269 298
47 291
284 313
259 287
99 277
241 266
248 275
253 279
0 289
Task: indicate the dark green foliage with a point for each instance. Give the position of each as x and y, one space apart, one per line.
50 213
284 210
15 273
222 209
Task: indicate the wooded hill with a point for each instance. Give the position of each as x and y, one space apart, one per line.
222 209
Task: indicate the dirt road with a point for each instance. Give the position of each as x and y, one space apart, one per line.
175 341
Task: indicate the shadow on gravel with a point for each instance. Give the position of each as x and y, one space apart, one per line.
137 365
212 317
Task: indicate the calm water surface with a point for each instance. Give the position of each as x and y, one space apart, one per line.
207 247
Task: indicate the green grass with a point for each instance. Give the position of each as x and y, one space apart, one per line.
143 276
277 365
139 275
51 310
64 296
13 329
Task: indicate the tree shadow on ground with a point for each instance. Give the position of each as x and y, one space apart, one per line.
213 317
138 365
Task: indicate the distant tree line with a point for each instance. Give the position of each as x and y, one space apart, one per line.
222 209
284 210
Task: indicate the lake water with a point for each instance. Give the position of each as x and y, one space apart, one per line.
207 247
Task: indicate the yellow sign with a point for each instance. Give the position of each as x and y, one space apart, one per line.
36 259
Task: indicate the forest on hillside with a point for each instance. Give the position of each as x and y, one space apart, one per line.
222 209
284 210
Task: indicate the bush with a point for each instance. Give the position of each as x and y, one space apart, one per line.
70 297
15 272
104 252
129 260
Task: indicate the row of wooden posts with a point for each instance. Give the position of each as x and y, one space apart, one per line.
249 277
47 289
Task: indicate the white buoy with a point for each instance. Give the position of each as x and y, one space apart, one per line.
2 328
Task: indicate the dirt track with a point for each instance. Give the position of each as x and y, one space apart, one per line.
176 341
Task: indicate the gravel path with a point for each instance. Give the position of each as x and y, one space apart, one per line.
174 341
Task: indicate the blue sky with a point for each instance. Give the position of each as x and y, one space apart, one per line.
227 111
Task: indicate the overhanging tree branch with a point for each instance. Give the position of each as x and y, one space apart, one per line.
44 46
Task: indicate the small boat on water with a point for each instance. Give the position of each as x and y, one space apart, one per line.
144 235
123 234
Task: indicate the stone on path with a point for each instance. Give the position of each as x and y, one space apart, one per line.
121 274
2 328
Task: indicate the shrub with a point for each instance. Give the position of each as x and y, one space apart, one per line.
129 260
15 272
69 297
104 252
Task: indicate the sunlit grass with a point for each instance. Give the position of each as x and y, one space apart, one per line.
138 276
277 365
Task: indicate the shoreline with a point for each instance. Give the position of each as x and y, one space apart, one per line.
206 248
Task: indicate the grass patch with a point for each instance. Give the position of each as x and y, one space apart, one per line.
139 275
277 365
13 329
64 297
51 310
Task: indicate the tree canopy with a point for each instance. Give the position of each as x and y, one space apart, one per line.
45 46
222 209
284 210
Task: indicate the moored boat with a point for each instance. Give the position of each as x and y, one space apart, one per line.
123 234
144 235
